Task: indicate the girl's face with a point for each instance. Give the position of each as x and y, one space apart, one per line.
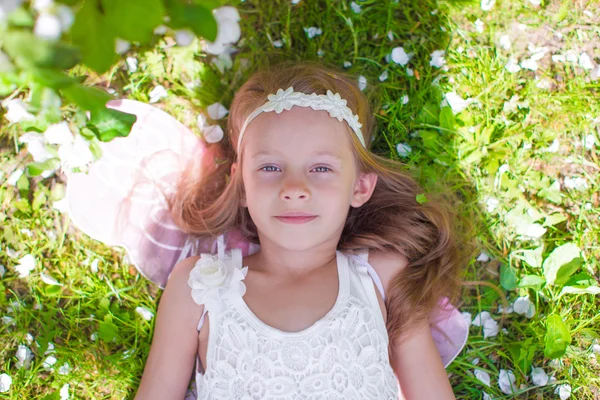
301 161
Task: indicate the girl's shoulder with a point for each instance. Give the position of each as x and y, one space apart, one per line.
387 264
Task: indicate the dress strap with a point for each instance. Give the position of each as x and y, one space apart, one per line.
201 320
364 255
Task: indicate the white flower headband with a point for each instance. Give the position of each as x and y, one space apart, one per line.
285 100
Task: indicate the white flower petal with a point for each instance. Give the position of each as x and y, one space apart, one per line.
47 26
490 328
487 5
132 64
384 75
457 103
157 93
36 146
312 31
563 391
505 42
538 376
144 313
217 111
355 7
512 66
16 112
483 376
213 133
529 63
64 392
26 265
122 46
405 99
403 149
437 59
184 37
483 257
2 270
47 279
65 369
486 396
59 133
480 318
479 25
160 30
507 381
362 82
399 56
66 16
42 5
49 362
24 357
5 379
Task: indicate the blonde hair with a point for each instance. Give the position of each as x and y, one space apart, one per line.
207 202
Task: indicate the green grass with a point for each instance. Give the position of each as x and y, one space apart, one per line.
465 158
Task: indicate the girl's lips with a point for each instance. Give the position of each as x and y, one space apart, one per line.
296 220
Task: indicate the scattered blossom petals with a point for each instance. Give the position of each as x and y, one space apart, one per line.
24 357
457 103
486 396
64 392
403 149
355 7
405 99
585 61
144 313
66 16
437 59
48 280
47 26
383 76
483 376
487 5
217 111
2 271
507 381
26 265
505 42
228 30
347 64
8 320
157 93
563 391
589 141
535 3
512 66
49 362
16 112
312 31
160 30
467 317
483 257
539 376
65 369
362 82
5 379
524 306
122 46
184 37
59 133
577 183
36 146
399 56
132 64
479 25
213 133
76 154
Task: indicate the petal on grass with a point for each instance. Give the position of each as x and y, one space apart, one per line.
144 313
538 376
5 382
507 381
483 377
563 391
26 265
48 280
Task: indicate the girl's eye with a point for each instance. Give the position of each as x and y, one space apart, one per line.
269 170
324 168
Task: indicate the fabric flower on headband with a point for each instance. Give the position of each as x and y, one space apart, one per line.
283 100
216 280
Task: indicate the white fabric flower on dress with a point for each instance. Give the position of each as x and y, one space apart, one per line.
215 280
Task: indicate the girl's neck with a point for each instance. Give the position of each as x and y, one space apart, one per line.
277 260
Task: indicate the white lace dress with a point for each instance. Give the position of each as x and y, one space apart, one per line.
344 355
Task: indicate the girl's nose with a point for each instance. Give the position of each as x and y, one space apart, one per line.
295 189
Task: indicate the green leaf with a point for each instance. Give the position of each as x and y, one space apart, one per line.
522 354
107 331
86 97
429 114
36 168
421 198
94 37
552 193
198 18
557 337
533 257
561 264
447 120
581 279
531 281
108 123
508 277
134 20
29 51
51 78
554 219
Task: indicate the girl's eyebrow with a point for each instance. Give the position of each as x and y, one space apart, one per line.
317 153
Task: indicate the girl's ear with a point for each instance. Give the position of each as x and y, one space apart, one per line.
363 189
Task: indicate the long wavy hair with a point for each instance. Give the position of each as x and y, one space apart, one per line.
207 201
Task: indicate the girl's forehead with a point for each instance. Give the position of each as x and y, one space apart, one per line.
297 131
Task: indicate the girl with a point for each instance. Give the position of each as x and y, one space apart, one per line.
330 280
